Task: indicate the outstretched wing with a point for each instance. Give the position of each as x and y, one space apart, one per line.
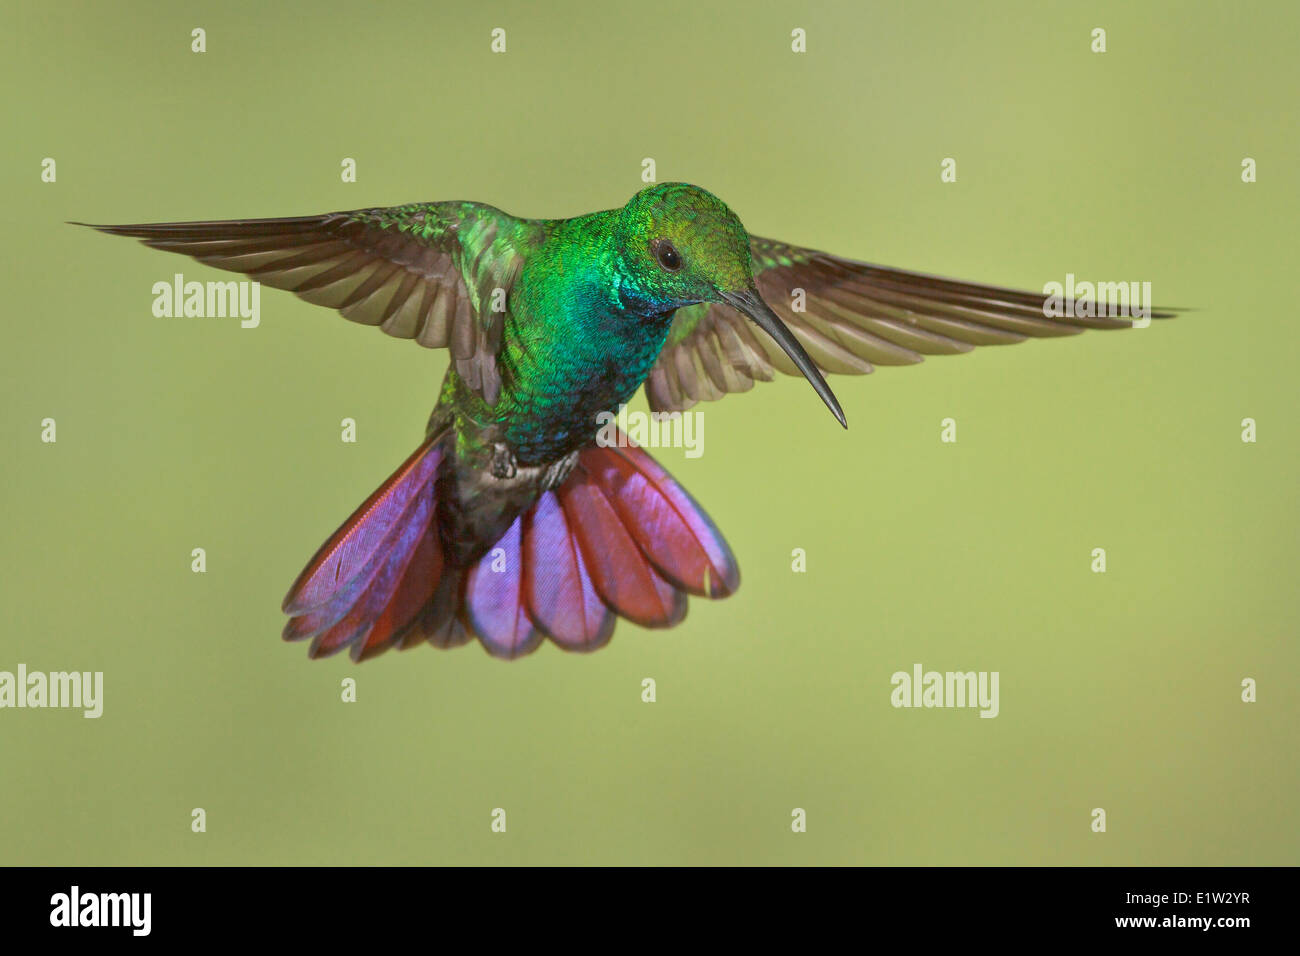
423 271
856 316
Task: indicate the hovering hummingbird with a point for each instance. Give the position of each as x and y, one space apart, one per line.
511 522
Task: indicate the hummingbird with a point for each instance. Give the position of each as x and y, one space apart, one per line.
512 522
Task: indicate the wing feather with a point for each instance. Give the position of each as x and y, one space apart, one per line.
423 271
851 316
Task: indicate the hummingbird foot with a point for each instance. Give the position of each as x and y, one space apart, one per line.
558 472
503 461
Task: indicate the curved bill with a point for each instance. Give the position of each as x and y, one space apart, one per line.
752 304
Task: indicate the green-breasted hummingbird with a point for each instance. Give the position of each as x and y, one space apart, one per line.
512 522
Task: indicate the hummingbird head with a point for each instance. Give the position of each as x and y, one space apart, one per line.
682 245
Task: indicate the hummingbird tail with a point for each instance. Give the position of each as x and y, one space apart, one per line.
619 538
369 583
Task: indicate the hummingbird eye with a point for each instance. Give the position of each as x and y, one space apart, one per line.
667 255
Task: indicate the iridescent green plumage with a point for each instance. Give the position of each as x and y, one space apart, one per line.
549 324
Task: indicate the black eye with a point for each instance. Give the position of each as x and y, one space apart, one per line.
667 255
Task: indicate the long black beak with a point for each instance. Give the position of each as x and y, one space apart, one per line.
752 304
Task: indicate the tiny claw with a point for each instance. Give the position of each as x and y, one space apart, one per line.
503 461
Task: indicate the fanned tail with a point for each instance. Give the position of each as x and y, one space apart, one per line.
619 538
369 584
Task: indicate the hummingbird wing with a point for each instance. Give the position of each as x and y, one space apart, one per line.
424 271
854 316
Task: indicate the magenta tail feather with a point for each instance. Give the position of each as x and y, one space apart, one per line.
620 538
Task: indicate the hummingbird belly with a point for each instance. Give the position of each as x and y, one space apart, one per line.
504 456
553 394
556 380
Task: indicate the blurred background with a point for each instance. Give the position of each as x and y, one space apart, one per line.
1119 690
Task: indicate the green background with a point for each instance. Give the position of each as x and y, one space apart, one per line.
1119 691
